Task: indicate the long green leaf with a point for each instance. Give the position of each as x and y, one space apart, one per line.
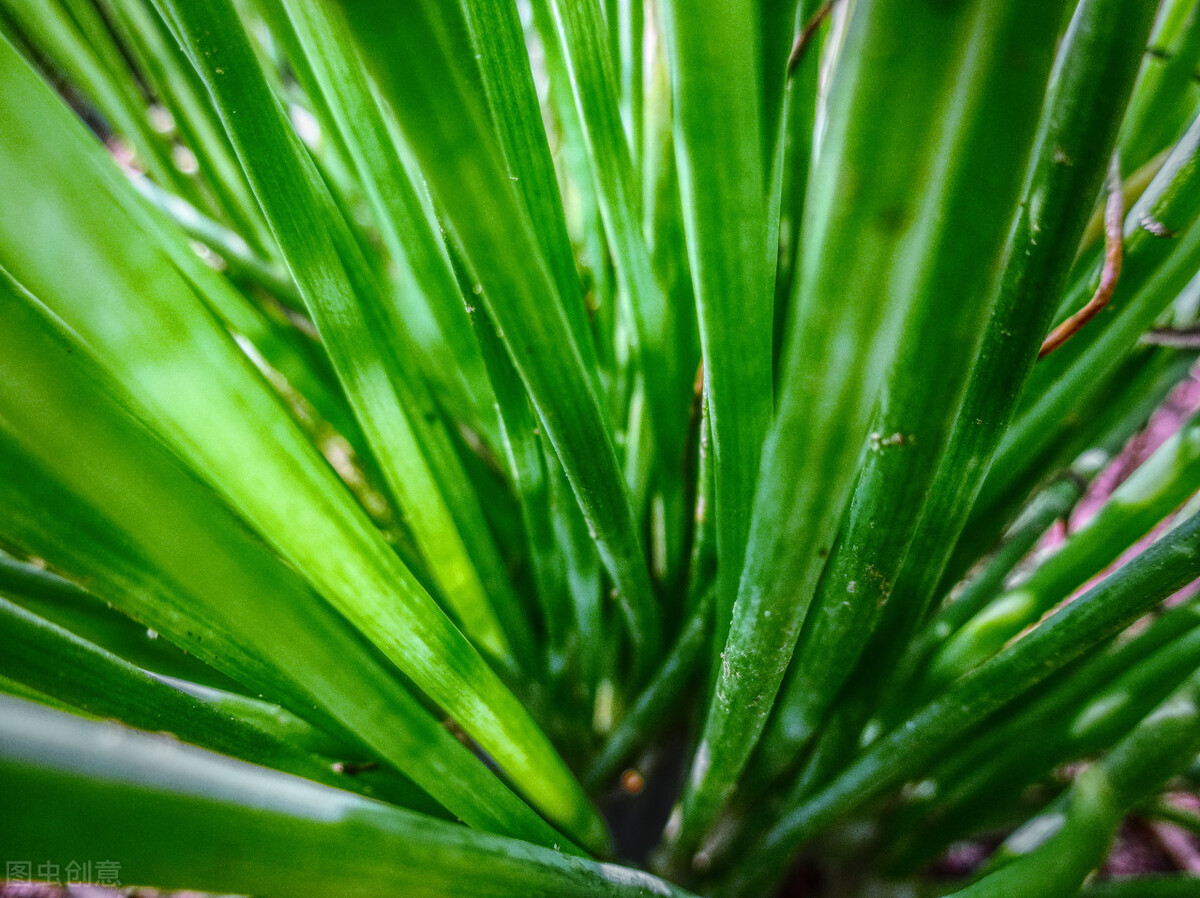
1167 97
175 817
1101 425
355 112
870 232
84 484
1110 423
64 603
89 62
344 300
495 30
1162 246
190 380
438 110
106 686
719 147
529 466
915 491
1053 854
592 69
1098 701
350 110
1158 487
1106 609
646 713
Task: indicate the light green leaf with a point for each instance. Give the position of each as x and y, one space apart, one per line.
894 210
719 150
190 380
178 817
86 485
438 110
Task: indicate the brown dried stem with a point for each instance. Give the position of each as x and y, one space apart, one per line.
807 33
1114 223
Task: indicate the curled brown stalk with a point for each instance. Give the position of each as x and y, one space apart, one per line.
1114 223
807 33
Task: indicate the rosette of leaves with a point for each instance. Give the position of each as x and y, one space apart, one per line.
531 447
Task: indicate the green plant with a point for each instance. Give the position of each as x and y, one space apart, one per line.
480 399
